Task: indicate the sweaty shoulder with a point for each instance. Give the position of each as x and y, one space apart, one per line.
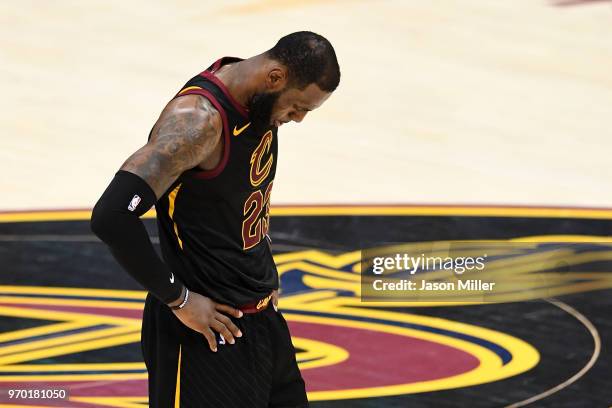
187 133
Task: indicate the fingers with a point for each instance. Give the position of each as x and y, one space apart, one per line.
229 324
228 310
223 330
210 337
275 299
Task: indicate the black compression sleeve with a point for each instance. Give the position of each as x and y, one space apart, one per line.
116 221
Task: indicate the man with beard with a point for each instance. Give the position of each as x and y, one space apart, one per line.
209 338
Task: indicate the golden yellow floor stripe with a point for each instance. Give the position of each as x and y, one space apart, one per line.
322 210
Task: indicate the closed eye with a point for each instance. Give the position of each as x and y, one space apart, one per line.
301 109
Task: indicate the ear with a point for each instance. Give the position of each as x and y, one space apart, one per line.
276 79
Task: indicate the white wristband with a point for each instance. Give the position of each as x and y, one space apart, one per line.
183 303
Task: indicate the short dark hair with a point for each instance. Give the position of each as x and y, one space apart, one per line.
309 58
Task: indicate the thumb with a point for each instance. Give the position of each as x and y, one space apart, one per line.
275 299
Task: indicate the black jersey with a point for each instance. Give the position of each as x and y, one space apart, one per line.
213 225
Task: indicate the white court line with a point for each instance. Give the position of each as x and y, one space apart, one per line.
596 352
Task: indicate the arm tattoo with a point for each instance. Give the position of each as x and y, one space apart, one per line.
186 133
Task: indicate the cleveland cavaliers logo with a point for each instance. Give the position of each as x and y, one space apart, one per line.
86 320
260 171
346 348
411 352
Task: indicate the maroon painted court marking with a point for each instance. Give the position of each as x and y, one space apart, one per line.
378 359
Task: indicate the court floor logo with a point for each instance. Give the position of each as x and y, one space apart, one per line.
345 348
371 350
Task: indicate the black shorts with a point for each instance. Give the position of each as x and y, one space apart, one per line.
258 371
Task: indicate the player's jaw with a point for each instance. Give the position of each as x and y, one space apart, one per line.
261 108
264 111
278 122
287 105
293 104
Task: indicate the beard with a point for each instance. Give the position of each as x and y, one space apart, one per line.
260 109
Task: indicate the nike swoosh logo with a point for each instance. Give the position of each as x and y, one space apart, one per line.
239 131
171 278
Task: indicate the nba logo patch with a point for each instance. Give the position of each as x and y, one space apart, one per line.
134 203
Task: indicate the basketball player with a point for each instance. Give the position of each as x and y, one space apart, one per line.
209 335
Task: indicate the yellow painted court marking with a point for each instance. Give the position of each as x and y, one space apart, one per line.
466 211
322 272
68 316
73 377
315 296
40 330
490 368
63 340
321 354
331 355
490 363
71 348
323 210
71 302
333 261
44 290
127 330
564 238
22 368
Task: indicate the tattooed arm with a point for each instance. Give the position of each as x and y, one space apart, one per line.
187 134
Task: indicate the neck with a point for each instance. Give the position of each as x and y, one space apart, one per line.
241 78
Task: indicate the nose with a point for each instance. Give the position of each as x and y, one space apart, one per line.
298 116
